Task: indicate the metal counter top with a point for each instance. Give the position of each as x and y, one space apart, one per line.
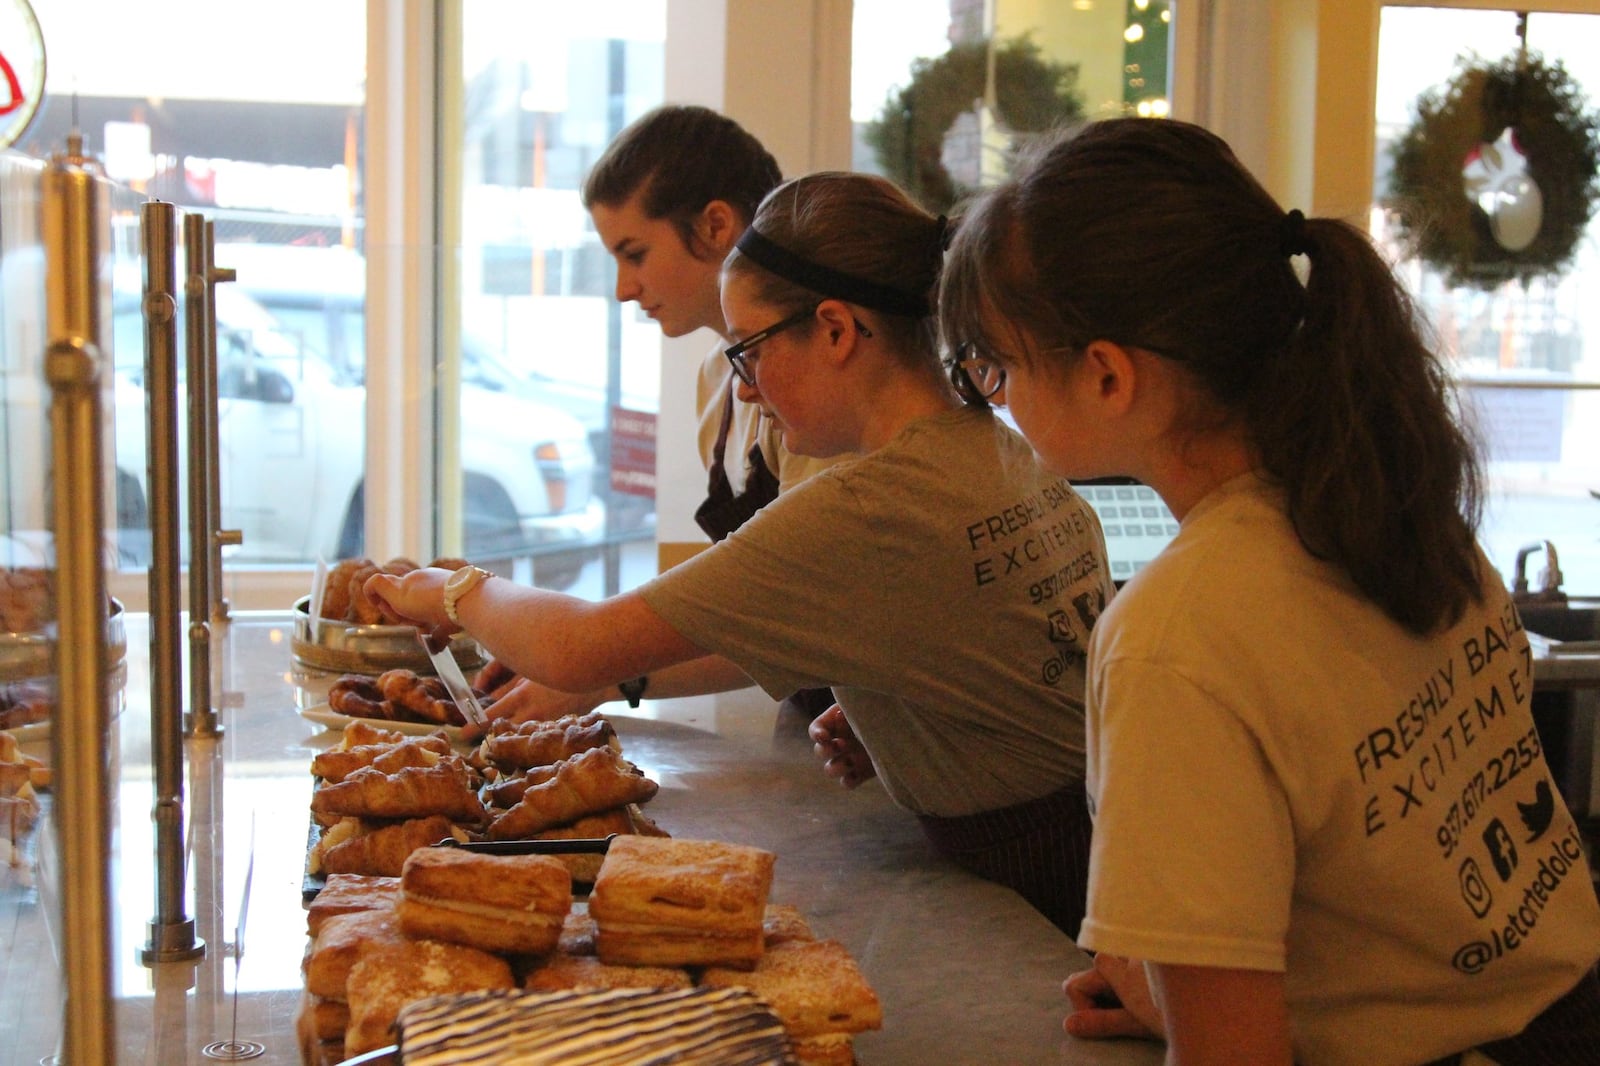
966 971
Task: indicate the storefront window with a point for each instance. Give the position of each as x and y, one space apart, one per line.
204 108
559 382
1524 350
945 91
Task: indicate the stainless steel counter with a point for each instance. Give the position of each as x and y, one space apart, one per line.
967 972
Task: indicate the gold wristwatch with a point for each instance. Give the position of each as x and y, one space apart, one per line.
458 585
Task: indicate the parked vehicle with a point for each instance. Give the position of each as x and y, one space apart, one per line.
292 429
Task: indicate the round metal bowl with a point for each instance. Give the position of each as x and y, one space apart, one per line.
350 648
30 655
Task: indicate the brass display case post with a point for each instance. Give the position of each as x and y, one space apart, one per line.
171 931
74 209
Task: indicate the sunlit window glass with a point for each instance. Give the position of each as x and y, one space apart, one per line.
559 383
268 149
1524 355
943 93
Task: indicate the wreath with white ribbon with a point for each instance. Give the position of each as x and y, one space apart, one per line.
1496 178
1029 94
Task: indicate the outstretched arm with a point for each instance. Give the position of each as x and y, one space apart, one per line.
560 641
523 700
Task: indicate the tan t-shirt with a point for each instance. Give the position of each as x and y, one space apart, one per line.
1283 779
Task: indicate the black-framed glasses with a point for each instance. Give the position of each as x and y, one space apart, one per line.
742 358
985 376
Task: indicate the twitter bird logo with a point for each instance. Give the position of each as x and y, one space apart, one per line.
1538 814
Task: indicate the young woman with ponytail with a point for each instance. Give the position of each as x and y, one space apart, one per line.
1324 831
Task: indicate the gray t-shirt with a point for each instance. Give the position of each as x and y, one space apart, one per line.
944 585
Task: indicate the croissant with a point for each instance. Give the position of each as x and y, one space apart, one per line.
363 610
423 699
508 791
543 743
357 696
411 792
596 780
339 763
383 851
358 733
336 602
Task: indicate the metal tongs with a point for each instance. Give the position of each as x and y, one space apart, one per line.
572 846
449 671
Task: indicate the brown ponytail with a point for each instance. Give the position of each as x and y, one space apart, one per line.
1151 234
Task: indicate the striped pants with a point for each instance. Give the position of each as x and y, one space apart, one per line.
1039 848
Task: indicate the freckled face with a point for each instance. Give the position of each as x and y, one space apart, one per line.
786 381
656 271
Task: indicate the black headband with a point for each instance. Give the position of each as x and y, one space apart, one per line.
834 283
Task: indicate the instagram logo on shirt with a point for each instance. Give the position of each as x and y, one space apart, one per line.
1474 889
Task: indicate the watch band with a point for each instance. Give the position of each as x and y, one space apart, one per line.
633 691
458 585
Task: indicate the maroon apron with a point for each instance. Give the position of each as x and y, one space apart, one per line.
724 511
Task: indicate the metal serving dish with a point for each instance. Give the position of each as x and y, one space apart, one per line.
30 655
350 648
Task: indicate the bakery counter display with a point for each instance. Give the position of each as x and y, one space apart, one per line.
379 794
336 629
23 779
677 955
28 649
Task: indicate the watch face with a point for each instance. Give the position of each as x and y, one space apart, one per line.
21 69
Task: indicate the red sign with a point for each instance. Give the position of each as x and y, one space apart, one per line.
633 452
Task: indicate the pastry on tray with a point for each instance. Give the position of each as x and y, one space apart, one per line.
660 901
386 979
817 991
595 780
510 904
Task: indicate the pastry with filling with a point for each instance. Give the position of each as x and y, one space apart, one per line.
385 980
351 894
512 904
817 991
594 1027
660 901
342 941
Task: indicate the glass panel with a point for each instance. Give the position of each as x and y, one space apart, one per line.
271 155
918 66
560 384
1526 354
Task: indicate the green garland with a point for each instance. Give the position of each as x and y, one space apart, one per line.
1033 94
1440 224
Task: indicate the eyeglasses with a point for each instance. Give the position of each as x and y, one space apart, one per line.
743 359
983 373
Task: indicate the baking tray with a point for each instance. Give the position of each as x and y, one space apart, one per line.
311 884
331 719
24 656
352 648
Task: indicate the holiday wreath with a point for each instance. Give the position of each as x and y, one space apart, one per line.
1031 94
1496 112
